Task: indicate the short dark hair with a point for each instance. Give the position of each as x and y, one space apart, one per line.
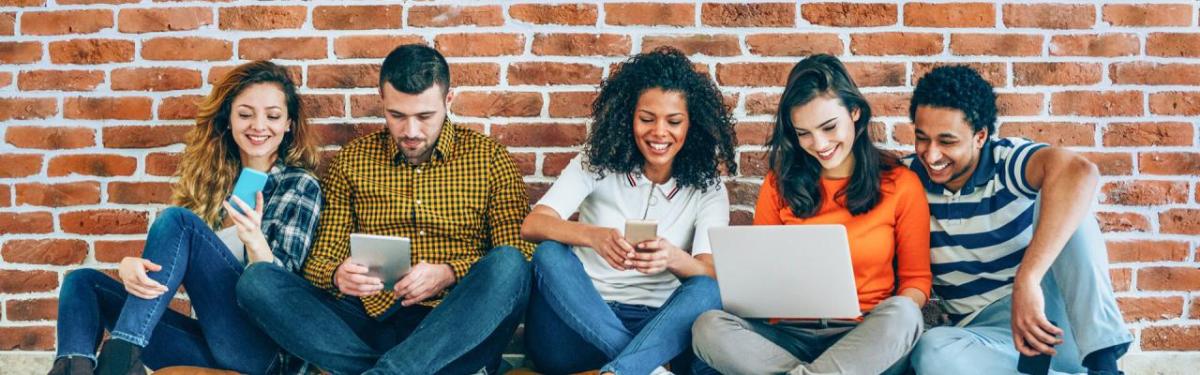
413 68
957 87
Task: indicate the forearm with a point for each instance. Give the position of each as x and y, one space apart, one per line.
540 227
915 295
1066 198
686 266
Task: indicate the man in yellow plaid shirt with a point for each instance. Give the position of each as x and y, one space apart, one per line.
456 194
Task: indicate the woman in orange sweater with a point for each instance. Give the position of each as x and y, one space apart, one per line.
826 170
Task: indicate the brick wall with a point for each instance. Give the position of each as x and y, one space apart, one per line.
95 96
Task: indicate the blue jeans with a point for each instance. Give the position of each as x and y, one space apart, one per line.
570 328
1079 298
190 254
465 333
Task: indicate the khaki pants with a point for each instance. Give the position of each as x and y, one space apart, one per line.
733 345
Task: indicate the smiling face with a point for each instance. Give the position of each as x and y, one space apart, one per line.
258 123
947 145
660 126
825 129
415 120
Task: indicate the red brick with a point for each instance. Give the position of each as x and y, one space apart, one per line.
571 104
800 44
1195 309
742 193
1175 338
1150 308
1010 104
889 104
114 251
6 78
454 15
1168 279
340 134
650 14
752 74
19 165
20 52
1175 103
565 44
145 136
60 80
25 222
474 74
535 190
74 2
91 51
754 133
753 163
556 14
27 108
1098 104
155 79
1146 73
361 17
187 48
343 76
162 163
996 44
526 162
5 195
748 14
163 19
1145 193
1173 44
262 17
216 73
850 14
92 165
139 192
1180 221
554 163
306 48
1096 45
468 45
182 107
1120 278
83 21
32 309
950 15
1122 222
1111 163
1146 251
104 222
1054 133
371 46
1147 14
896 43
497 104
711 45
58 252
762 103
1169 163
368 105
27 338
1049 16
740 217
550 73
995 73
23 3
1149 134
1056 74
903 133
323 105
8 23
539 135
50 138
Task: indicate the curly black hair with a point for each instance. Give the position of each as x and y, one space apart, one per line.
957 87
710 138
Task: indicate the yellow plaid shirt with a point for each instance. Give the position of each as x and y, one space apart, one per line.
467 199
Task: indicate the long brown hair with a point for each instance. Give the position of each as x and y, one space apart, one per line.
211 161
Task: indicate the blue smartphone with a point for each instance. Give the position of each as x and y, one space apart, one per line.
249 183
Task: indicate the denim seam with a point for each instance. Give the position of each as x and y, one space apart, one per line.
92 357
144 326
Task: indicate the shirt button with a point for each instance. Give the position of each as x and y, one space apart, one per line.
418 170
421 233
418 202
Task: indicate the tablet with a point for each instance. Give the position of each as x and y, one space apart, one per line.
386 257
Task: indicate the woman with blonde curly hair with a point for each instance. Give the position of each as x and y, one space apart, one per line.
253 119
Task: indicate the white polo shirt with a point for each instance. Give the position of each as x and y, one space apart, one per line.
684 215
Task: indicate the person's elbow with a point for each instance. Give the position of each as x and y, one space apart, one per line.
528 228
1085 173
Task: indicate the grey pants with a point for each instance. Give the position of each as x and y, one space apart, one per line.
733 345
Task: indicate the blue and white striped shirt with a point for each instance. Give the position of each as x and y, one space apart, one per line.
978 234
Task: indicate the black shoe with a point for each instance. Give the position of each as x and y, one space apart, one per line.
120 357
72 365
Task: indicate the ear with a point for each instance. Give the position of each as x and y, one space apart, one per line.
980 138
855 114
449 97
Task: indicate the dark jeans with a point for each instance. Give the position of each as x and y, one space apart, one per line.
465 333
221 336
570 328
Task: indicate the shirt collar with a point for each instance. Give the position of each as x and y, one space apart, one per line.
668 189
441 150
985 170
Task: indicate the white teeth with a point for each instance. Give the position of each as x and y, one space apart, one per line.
827 153
939 167
659 146
258 138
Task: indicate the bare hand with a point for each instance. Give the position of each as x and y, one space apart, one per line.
611 246
652 256
424 280
133 274
249 227
1032 332
351 279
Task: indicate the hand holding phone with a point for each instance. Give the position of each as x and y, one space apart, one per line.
248 185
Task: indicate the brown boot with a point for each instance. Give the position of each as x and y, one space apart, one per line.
71 365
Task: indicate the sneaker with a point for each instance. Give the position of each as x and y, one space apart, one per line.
120 357
71 365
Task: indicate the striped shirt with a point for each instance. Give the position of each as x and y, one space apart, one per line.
978 234
467 199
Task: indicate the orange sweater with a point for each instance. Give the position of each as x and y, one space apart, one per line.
898 227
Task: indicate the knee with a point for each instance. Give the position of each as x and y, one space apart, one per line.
549 253
904 310
259 282
707 332
704 291
941 351
81 278
504 265
177 217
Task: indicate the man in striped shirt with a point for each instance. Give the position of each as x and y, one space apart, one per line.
1018 260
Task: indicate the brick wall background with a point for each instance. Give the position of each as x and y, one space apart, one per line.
95 96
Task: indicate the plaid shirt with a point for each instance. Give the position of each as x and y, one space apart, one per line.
293 202
467 199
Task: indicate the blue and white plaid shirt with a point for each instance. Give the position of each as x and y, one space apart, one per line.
293 203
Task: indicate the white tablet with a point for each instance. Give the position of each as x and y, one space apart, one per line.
386 257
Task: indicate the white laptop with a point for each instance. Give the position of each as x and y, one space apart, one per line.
785 271
386 257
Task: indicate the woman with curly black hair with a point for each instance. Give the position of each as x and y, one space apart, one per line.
660 136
